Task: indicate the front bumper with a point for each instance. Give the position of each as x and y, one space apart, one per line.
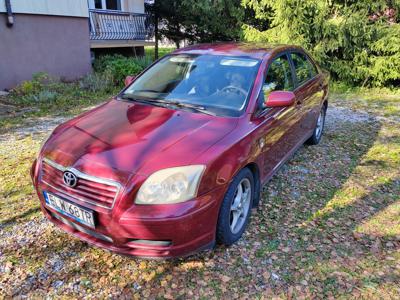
163 231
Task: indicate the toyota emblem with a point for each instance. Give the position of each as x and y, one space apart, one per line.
70 179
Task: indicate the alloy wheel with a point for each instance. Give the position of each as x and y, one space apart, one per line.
320 124
240 205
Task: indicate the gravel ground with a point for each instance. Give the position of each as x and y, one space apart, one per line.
317 234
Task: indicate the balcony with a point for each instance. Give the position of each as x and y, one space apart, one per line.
110 28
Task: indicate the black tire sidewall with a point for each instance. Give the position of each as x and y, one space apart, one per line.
314 139
224 233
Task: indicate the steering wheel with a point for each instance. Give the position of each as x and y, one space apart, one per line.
234 89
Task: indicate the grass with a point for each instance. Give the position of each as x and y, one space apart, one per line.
53 98
328 224
161 51
379 101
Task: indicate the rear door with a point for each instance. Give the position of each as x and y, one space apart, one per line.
308 91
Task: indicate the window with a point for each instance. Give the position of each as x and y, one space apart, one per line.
98 4
305 70
113 4
107 4
279 76
220 84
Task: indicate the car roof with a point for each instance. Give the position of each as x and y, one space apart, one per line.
254 50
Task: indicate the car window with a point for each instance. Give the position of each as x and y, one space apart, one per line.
304 69
279 76
219 84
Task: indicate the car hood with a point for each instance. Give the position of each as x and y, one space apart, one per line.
120 138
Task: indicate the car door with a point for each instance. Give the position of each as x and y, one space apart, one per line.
308 91
275 131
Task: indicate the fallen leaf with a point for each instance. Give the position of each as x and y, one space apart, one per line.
311 248
225 278
266 275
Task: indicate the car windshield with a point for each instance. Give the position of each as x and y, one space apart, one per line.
212 83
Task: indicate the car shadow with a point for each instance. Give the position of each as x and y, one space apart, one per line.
11 221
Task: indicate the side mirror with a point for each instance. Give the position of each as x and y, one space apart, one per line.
128 80
280 99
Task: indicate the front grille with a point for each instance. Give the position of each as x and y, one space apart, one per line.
97 191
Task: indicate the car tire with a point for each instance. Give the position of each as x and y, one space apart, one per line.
236 208
319 128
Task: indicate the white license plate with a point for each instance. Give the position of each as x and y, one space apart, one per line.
84 216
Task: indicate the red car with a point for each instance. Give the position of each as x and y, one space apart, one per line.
176 161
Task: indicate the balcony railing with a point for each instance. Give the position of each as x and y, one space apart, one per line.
116 25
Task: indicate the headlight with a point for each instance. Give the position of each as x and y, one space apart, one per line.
171 185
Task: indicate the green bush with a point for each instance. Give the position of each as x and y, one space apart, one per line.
46 91
117 67
34 86
97 82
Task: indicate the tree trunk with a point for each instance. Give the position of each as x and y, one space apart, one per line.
156 36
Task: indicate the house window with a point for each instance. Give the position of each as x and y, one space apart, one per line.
113 4
98 4
107 4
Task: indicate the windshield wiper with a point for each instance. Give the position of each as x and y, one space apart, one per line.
163 102
143 100
195 107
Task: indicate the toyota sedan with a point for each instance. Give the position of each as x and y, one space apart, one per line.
175 163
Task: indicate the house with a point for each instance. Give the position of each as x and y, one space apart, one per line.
58 37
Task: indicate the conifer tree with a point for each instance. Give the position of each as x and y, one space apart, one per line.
357 41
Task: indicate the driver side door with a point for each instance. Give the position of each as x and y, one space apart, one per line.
277 132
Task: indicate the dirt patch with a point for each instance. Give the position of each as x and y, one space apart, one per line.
34 127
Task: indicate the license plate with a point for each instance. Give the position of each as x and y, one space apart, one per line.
82 215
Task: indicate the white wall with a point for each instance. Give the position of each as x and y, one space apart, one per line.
136 6
74 8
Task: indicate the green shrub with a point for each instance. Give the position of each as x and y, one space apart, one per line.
46 91
97 82
118 66
143 61
26 87
34 86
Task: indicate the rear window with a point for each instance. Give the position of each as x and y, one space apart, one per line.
304 68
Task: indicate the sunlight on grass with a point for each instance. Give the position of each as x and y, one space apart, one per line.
17 197
380 101
384 223
364 273
149 50
378 167
342 198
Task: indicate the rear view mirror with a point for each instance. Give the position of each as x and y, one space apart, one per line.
128 80
280 99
